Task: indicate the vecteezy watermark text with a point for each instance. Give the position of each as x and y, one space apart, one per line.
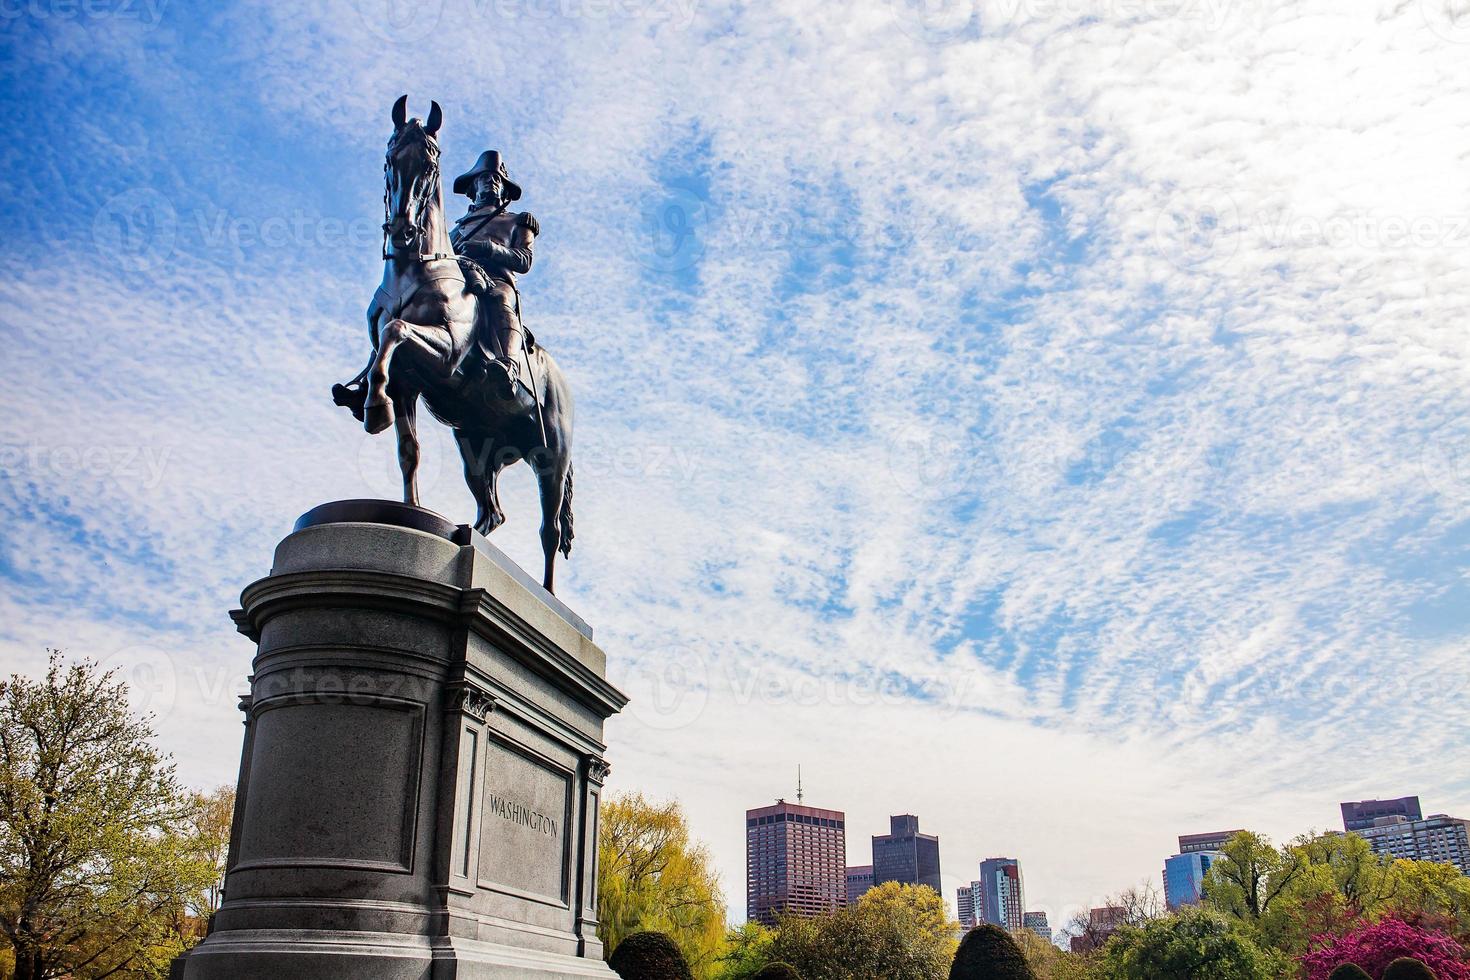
146 12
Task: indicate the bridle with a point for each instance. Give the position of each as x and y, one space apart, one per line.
419 193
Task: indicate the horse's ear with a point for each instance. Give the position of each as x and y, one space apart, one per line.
400 112
436 117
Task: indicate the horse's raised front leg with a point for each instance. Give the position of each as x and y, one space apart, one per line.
406 408
377 409
429 348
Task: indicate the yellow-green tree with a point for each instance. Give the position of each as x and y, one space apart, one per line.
895 931
1050 962
1249 877
97 862
746 949
1430 893
652 875
211 815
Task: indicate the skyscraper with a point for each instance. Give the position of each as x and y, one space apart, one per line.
1002 896
904 854
1360 815
859 880
964 902
1184 873
1036 922
795 861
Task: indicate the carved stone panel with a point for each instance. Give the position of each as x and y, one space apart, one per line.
311 800
525 832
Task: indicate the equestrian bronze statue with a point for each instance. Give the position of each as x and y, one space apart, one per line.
446 327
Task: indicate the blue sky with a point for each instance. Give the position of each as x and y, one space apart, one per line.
1046 418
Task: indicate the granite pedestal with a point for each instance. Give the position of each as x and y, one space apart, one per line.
423 760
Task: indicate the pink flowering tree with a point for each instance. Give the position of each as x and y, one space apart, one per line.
1375 946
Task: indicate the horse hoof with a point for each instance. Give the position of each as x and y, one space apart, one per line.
376 418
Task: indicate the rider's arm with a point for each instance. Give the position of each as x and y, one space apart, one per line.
515 257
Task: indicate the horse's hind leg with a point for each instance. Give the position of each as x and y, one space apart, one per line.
405 411
551 474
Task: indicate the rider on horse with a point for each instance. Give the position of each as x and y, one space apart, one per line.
499 241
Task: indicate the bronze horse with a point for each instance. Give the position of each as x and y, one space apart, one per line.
422 322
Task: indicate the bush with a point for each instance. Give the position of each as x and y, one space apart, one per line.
777 971
989 953
1408 968
1349 971
649 956
1375 946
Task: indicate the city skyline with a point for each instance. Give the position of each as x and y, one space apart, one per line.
1437 837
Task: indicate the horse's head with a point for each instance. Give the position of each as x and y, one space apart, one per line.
411 171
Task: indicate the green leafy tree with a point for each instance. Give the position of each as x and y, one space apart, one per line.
746 950
97 862
1195 944
652 876
211 815
1249 877
1337 882
895 931
1349 971
1432 894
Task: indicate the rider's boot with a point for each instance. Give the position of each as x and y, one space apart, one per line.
502 374
506 369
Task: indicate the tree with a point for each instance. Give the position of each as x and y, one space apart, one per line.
1374 946
895 931
1349 971
777 971
1195 944
1249 876
989 953
1338 882
652 876
746 951
1408 968
649 956
96 861
1431 894
211 815
1048 961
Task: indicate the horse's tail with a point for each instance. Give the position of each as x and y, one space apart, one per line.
565 519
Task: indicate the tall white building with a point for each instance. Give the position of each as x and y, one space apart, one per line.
1002 895
1438 837
964 902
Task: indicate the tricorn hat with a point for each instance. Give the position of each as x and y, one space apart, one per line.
489 162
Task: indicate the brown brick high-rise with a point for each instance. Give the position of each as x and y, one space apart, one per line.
795 861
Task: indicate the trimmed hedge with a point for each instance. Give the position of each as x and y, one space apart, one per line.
649 956
1408 968
989 953
1350 971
